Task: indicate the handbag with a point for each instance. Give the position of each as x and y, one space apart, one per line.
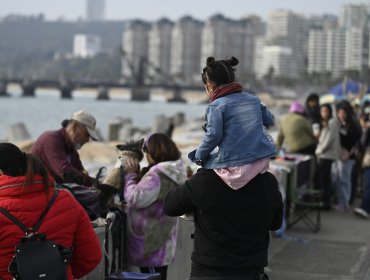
366 159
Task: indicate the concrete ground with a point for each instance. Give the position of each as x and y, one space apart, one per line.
340 251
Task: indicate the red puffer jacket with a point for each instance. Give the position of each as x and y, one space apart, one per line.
66 223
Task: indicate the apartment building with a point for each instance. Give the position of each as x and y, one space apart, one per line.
357 49
135 51
186 50
336 47
86 45
275 60
354 15
338 50
287 29
159 52
223 37
326 51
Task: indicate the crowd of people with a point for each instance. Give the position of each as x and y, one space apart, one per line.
336 135
234 200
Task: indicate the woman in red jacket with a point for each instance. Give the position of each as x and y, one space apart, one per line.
25 190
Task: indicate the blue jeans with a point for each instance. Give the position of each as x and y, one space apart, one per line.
344 184
365 204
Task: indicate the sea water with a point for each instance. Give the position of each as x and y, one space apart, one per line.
46 111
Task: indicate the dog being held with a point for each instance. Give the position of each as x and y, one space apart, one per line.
131 149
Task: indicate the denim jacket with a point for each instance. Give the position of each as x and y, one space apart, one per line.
236 125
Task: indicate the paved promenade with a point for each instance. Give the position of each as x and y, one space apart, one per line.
340 250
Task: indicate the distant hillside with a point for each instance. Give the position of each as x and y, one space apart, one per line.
28 45
53 36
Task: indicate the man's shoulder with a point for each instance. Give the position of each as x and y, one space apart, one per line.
48 137
201 176
50 134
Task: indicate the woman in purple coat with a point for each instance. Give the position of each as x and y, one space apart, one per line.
151 233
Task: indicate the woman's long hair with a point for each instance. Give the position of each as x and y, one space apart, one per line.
351 120
35 167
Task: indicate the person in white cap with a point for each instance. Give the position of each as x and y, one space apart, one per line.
58 149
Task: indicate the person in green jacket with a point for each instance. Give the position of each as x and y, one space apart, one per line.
295 132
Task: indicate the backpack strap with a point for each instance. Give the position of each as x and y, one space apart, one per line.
38 223
14 220
35 228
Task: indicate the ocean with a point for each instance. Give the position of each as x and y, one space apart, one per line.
46 110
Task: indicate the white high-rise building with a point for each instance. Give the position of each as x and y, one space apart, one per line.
216 38
135 51
277 60
186 50
223 38
159 56
336 48
357 49
85 45
256 23
317 51
327 52
341 50
287 29
354 15
259 44
95 10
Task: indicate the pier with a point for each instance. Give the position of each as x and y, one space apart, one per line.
139 92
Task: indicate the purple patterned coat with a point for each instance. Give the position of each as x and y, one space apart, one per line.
151 233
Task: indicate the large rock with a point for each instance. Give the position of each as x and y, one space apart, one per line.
17 132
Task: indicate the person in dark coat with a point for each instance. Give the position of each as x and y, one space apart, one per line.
231 226
312 108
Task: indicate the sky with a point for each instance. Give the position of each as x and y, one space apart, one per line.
172 9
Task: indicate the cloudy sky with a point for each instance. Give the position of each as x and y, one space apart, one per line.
173 9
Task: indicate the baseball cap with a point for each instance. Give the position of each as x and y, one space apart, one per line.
88 121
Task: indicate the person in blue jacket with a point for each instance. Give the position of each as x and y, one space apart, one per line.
236 125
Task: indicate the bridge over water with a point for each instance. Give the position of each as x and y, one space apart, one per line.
140 92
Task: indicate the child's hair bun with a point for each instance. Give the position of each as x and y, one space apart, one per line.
233 61
210 61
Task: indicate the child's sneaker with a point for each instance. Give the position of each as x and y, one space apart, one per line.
361 212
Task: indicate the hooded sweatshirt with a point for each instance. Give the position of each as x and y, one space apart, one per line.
151 233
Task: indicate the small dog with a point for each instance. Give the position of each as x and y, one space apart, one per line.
131 149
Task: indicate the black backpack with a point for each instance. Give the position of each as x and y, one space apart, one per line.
36 257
